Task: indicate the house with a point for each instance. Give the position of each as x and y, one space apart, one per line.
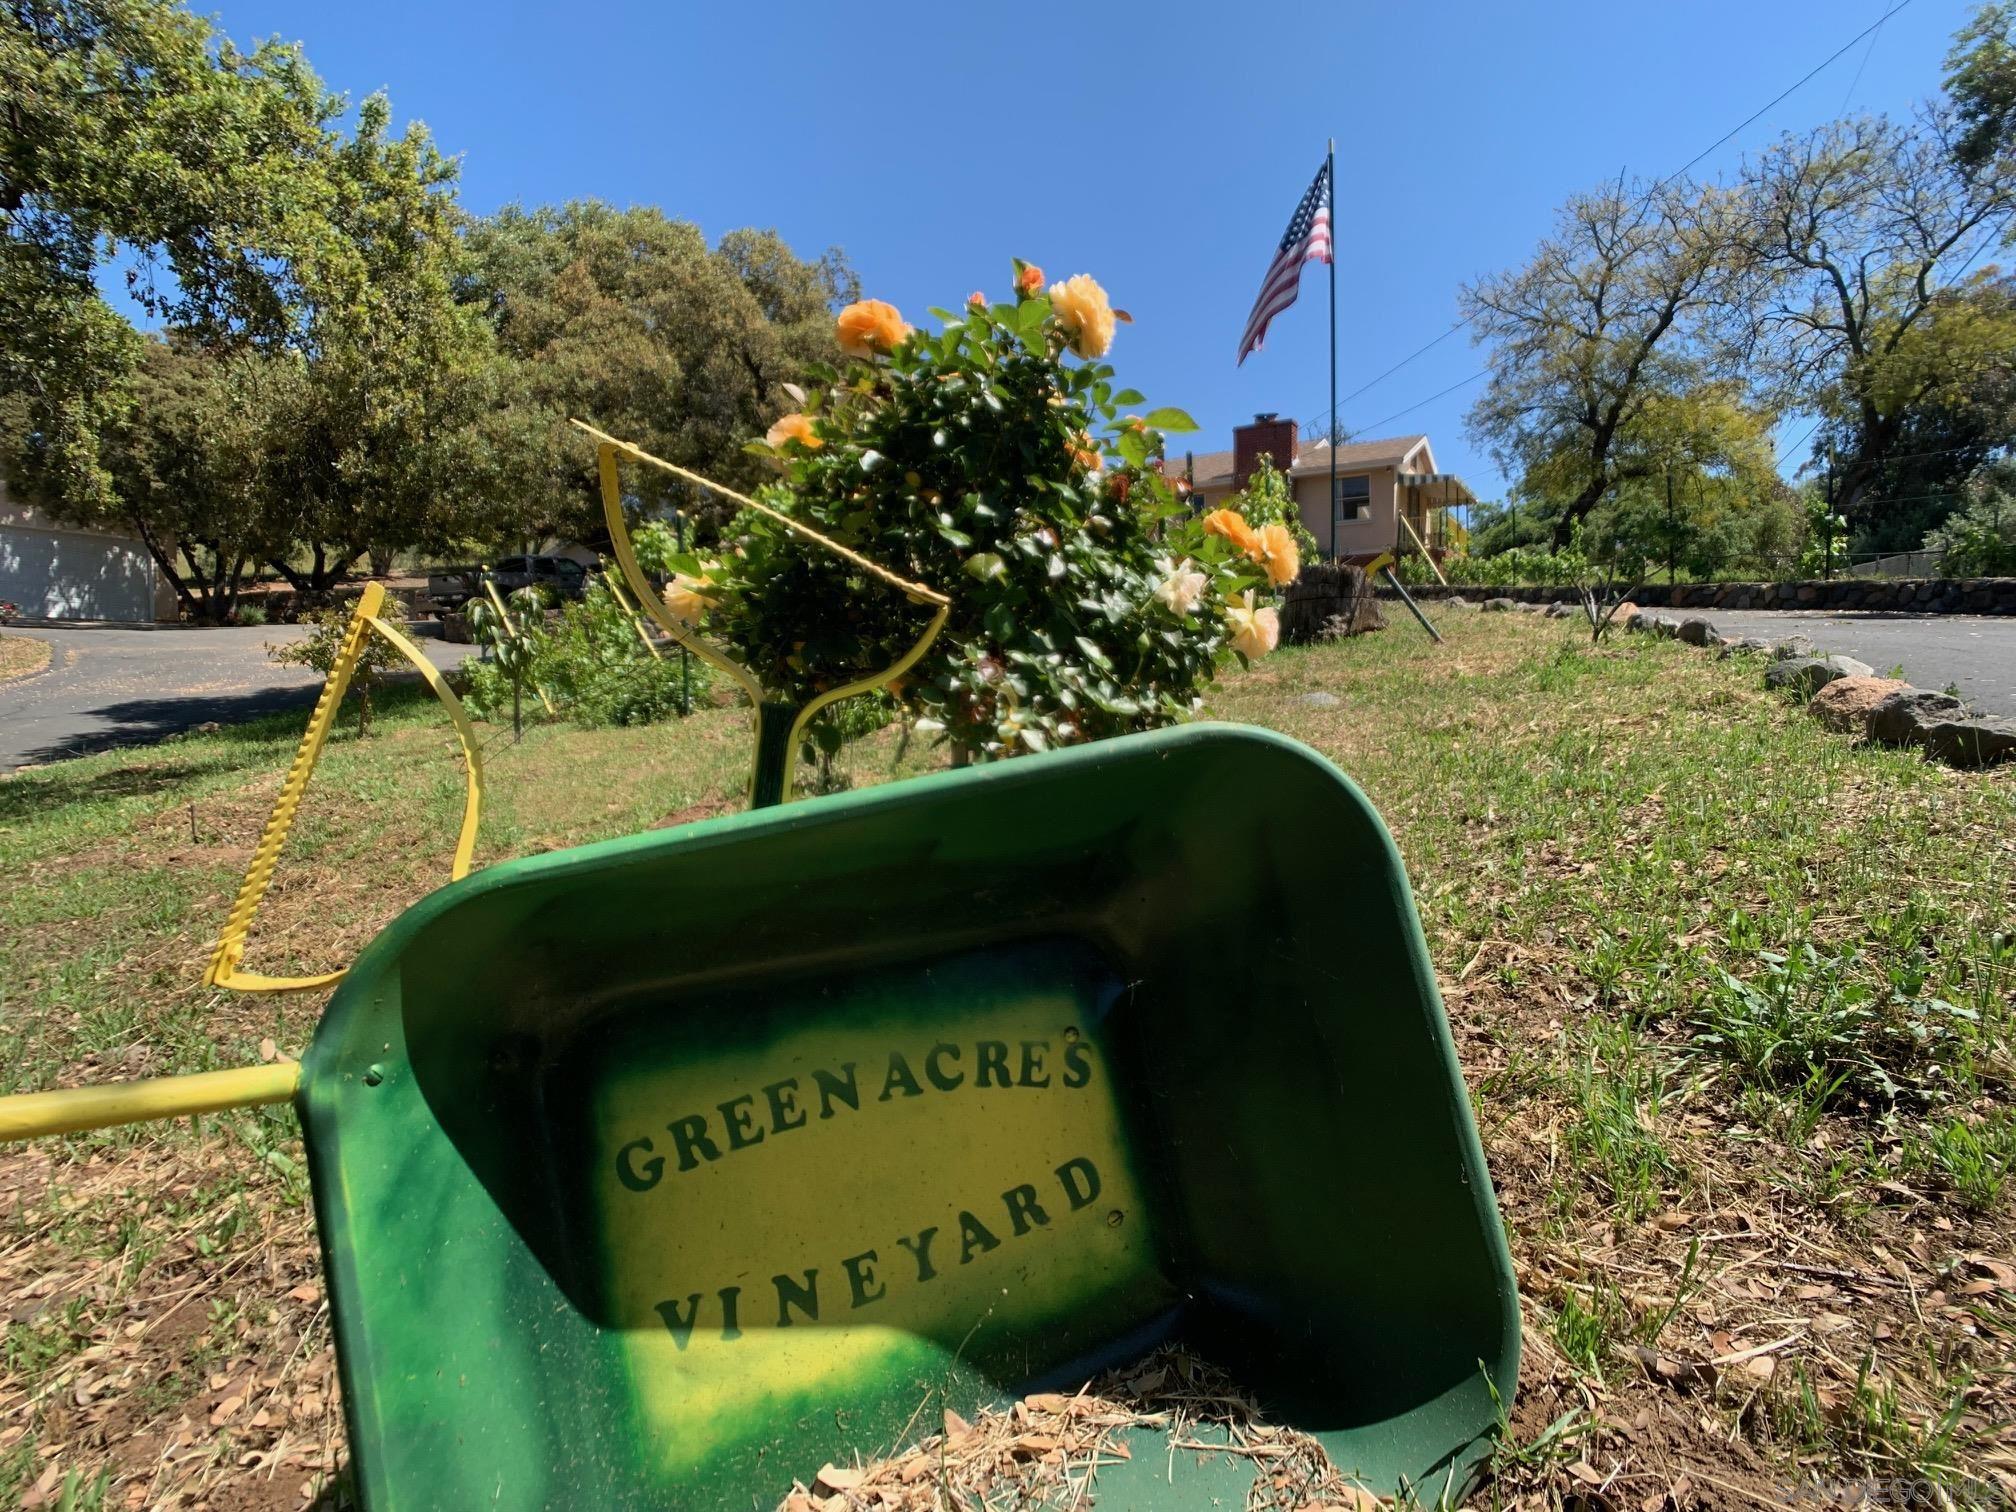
1390 495
64 572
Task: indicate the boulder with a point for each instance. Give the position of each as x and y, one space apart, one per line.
1733 644
1791 646
1969 742
1626 612
1559 610
1899 719
1695 631
1457 601
1663 625
1498 606
1809 674
1845 703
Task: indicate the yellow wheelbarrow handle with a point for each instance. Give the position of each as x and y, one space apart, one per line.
30 1115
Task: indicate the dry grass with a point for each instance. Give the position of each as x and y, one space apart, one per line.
21 656
1734 1277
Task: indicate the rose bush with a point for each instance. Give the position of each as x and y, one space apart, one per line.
1088 600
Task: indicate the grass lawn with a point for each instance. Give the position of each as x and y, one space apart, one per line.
1733 996
21 656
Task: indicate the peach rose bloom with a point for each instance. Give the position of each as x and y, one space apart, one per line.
1086 314
1255 632
977 300
687 598
1232 525
794 428
1279 554
869 326
1182 590
1029 281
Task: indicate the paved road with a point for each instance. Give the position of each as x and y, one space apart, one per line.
1976 653
109 687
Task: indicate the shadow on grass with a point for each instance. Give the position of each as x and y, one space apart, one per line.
267 715
47 790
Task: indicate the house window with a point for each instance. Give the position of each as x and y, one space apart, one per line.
1352 500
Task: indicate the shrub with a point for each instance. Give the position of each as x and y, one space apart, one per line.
1087 600
1979 540
586 661
589 661
1268 499
319 649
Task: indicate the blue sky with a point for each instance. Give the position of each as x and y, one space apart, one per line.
1160 148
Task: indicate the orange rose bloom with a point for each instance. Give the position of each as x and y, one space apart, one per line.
979 302
1232 525
1029 282
869 326
1279 554
794 428
1084 453
1085 313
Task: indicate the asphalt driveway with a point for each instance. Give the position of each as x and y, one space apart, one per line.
1974 653
111 687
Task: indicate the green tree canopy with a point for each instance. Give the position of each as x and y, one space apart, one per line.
629 319
1599 368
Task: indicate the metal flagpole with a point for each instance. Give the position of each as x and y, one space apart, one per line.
1330 190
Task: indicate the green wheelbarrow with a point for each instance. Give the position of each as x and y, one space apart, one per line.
658 1172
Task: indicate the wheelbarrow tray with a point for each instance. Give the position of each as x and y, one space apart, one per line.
662 1171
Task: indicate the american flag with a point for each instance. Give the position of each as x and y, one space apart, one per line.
1307 240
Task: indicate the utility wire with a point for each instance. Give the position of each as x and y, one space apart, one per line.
1852 83
1867 31
1784 94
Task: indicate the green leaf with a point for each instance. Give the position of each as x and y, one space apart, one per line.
1169 418
986 566
1092 652
1030 316
1129 396
1134 447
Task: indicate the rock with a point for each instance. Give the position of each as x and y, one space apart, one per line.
1626 612
1695 631
1845 703
1791 646
1809 674
1457 601
1662 625
1559 610
1323 700
1898 719
1731 645
1498 606
1963 742
1525 608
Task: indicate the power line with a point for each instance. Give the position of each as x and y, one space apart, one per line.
1424 349
1852 83
1786 93
1460 383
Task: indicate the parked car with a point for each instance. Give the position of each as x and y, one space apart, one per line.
560 575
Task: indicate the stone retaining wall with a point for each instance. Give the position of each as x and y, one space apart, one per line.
1914 595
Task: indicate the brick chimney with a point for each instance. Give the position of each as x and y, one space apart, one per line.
1268 435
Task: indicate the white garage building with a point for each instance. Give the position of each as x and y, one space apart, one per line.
60 572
